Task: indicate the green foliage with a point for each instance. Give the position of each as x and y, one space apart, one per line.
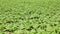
30 16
